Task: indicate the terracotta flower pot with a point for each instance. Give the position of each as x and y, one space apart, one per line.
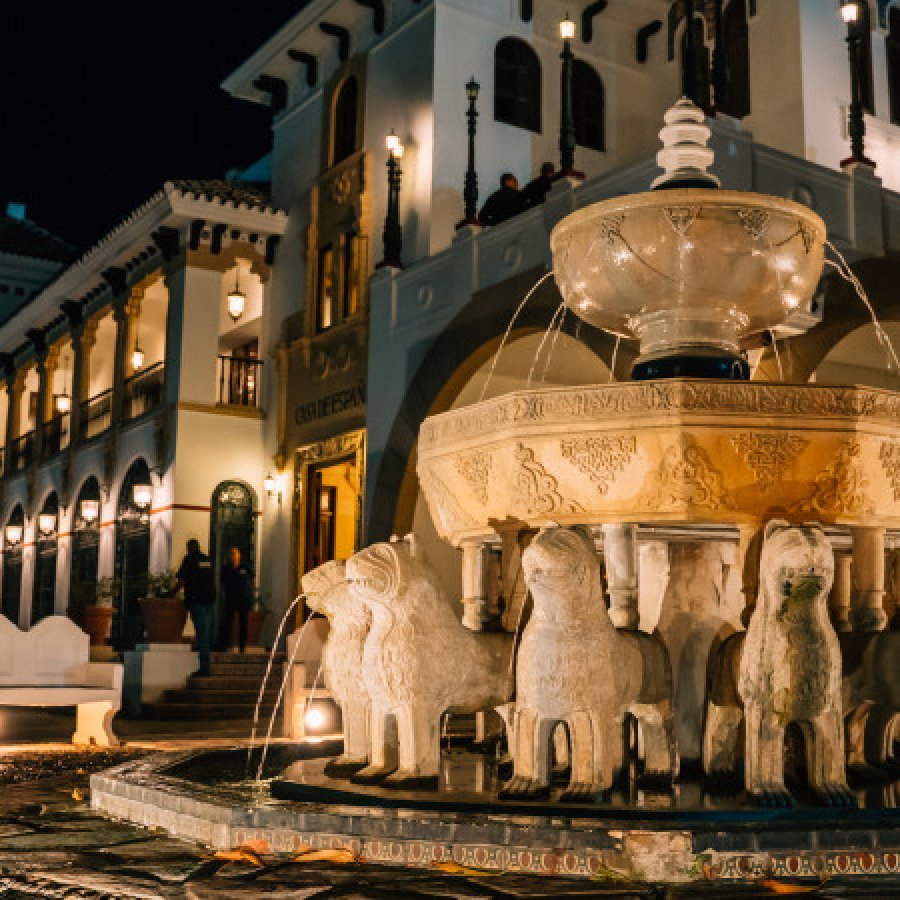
164 619
255 619
96 621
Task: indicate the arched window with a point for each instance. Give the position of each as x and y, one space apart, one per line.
700 72
517 84
44 591
85 550
132 556
893 64
343 128
12 564
736 99
589 106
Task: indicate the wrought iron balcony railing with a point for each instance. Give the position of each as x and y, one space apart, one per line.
55 435
21 452
144 390
96 414
239 380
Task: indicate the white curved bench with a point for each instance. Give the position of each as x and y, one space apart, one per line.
50 666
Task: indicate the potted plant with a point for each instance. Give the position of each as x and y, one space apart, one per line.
162 610
97 615
255 619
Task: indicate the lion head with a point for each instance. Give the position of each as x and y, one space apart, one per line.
323 585
562 570
796 568
384 573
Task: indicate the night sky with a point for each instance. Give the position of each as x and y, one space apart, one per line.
103 101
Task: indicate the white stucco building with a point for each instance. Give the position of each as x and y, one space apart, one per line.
324 378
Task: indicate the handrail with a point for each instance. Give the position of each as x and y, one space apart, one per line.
147 370
144 390
239 380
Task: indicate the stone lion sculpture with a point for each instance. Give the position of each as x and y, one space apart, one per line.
786 668
871 697
328 593
575 668
419 662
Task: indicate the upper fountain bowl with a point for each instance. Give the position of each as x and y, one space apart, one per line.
688 269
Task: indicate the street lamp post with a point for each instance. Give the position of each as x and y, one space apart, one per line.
567 137
470 188
852 15
393 232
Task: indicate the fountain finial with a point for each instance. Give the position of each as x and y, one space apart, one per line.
685 155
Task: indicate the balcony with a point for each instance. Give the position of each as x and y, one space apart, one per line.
96 414
55 435
144 391
239 381
21 452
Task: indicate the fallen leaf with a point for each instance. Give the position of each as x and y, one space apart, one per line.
452 868
338 855
256 845
77 794
782 887
239 854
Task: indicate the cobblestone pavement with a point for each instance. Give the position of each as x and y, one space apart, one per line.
52 845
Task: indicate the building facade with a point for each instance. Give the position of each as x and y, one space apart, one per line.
304 412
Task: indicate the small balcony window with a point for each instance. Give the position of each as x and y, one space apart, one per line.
325 289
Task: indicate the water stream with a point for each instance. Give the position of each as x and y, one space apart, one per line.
777 353
509 328
265 681
287 674
560 310
559 328
843 269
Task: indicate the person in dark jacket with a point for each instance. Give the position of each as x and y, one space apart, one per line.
503 204
195 575
536 191
237 588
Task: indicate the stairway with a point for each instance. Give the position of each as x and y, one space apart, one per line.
228 694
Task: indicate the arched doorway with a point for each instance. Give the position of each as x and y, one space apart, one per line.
12 564
132 555
45 555
85 549
230 525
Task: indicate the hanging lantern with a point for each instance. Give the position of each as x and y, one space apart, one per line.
90 511
137 358
63 402
269 484
143 496
13 535
236 298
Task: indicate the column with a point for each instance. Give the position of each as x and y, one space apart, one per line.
620 553
841 592
122 317
42 405
475 584
868 580
749 548
82 340
515 591
14 383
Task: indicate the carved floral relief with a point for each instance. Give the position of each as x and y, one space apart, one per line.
600 458
767 454
535 490
686 477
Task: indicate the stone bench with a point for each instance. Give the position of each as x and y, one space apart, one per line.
50 666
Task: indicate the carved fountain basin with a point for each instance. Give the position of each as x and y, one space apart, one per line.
675 451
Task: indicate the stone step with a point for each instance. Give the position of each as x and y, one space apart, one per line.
186 711
249 658
214 697
249 671
233 682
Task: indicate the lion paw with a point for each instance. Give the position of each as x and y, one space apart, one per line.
372 774
773 797
521 788
343 766
836 795
583 792
402 780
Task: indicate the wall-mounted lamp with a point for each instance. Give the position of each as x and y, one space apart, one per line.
271 487
142 495
850 11
14 535
90 511
46 523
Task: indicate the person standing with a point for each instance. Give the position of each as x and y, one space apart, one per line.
504 203
536 191
195 575
237 587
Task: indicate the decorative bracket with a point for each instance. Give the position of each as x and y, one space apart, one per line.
277 90
377 7
587 19
343 38
311 63
642 48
